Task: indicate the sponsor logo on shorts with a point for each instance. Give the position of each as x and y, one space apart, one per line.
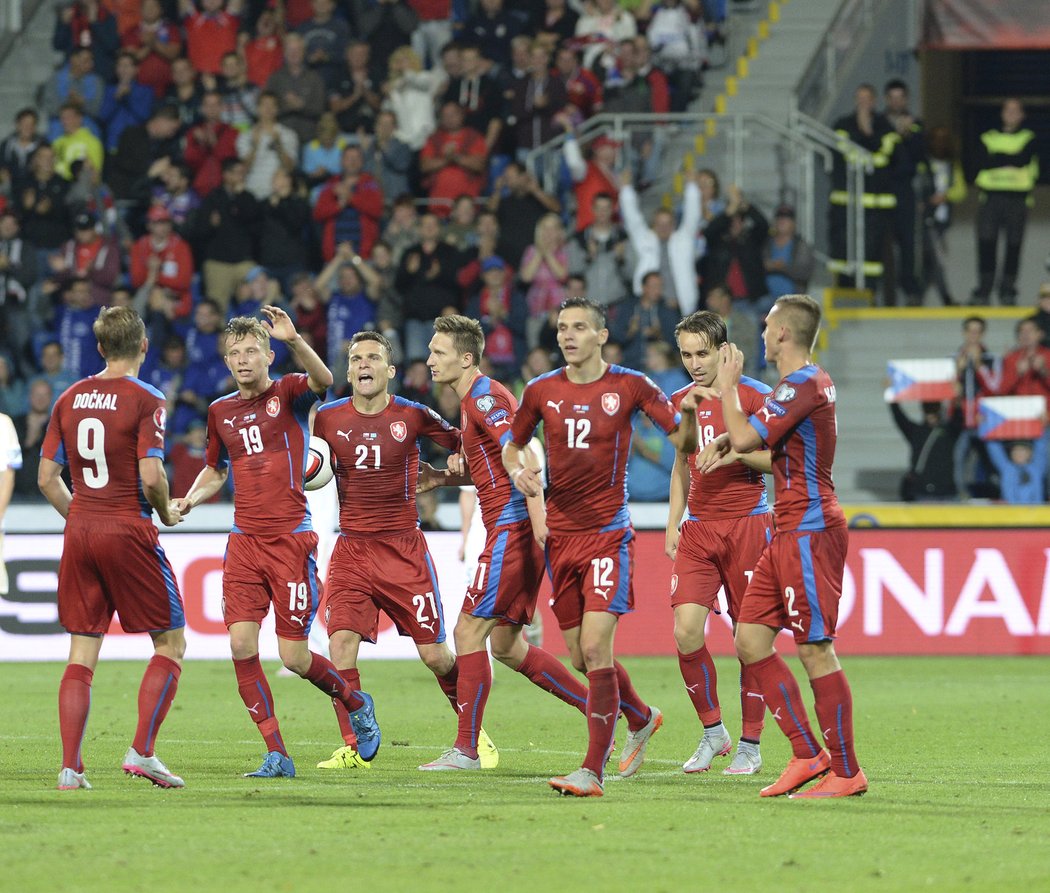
610 403
797 624
399 431
484 404
273 407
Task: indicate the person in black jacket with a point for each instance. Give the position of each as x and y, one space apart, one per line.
229 221
931 475
426 280
283 245
736 239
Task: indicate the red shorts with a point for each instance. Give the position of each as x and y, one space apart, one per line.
116 565
281 570
507 581
797 584
392 573
590 572
713 554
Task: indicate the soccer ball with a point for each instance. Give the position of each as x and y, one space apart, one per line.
318 464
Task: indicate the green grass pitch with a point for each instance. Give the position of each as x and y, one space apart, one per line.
954 748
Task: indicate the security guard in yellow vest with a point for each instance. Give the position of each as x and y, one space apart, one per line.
872 131
1007 172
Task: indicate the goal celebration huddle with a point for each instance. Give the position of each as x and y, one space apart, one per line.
779 569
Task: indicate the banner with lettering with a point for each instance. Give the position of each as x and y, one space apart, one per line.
980 25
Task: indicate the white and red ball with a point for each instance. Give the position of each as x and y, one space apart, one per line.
319 469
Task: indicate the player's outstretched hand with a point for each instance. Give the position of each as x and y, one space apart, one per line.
730 367
430 477
457 464
281 326
671 542
715 454
527 480
697 394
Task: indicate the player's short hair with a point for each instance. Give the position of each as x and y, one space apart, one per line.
245 327
378 337
707 325
803 318
597 310
466 334
119 332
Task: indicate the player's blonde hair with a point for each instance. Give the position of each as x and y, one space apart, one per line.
466 334
119 332
245 327
803 318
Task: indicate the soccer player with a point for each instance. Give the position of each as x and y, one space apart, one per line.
109 430
797 582
501 599
381 560
262 430
586 408
725 530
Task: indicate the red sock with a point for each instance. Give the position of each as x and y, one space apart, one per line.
632 706
255 692
449 683
475 680
752 705
835 714
784 700
353 679
326 677
603 700
74 705
543 669
701 682
157 691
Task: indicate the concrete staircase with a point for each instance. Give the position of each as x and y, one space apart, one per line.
30 62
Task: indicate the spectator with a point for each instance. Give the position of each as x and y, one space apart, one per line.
321 156
228 222
662 366
349 308
650 462
409 93
349 206
88 24
787 257
255 291
17 149
942 185
263 53
142 153
485 242
544 269
209 144
662 248
402 231
240 97
387 27
978 376
126 102
931 473
155 43
211 32
1041 317
478 95
163 258
14 392
387 158
75 82
308 310
266 147
537 362
743 327
1022 470
1026 369
203 337
627 89
167 373
910 157
593 177
583 91
283 243
679 46
647 319
45 221
461 228
53 370
736 246
426 281
185 93
300 92
76 142
31 429
176 196
601 29
355 99
434 30
187 457
201 384
325 38
453 161
73 320
87 256
519 204
493 27
557 19
18 274
599 254
380 272
535 101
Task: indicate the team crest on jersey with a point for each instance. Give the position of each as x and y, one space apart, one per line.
273 407
399 431
784 393
484 404
610 403
674 583
160 418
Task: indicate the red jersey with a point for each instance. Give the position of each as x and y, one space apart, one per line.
209 38
596 181
101 427
587 430
798 423
732 491
486 416
377 461
1034 382
452 181
265 438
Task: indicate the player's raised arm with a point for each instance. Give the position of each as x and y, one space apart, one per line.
49 480
319 376
155 488
742 437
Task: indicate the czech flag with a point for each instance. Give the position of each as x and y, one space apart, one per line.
1011 418
926 380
